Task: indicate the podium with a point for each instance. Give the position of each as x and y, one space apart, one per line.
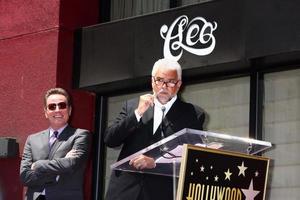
188 153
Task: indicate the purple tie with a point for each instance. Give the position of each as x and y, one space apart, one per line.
53 138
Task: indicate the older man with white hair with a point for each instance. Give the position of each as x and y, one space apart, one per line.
137 126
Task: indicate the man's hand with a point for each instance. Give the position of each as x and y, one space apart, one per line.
32 166
72 153
145 102
142 162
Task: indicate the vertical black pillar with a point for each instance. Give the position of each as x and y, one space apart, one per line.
104 10
175 3
99 149
256 104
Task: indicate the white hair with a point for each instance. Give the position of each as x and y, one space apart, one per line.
167 64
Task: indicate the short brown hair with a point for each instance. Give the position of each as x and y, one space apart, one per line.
57 91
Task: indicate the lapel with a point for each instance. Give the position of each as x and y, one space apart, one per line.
61 138
172 117
43 142
147 120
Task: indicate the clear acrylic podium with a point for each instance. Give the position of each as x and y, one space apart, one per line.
168 151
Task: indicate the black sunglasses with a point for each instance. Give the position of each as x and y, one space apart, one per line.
60 105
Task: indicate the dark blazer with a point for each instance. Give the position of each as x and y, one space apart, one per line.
62 178
134 136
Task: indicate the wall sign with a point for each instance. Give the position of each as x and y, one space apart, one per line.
221 175
195 36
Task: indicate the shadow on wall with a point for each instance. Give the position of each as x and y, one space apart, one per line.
1 192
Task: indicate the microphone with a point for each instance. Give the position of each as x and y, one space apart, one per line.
163 109
163 147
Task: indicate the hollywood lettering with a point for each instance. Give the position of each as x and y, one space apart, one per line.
199 191
195 37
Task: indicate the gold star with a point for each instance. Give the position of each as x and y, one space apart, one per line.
216 178
202 168
227 174
242 169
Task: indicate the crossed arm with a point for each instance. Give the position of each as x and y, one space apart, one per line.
44 171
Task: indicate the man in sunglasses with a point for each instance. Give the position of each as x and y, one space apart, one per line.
53 161
139 124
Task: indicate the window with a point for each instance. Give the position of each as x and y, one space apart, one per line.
226 103
282 128
121 9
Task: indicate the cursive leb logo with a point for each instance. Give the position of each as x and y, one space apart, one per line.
195 37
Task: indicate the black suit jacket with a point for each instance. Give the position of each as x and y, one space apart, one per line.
134 136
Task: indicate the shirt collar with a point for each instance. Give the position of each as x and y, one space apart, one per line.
167 105
51 130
